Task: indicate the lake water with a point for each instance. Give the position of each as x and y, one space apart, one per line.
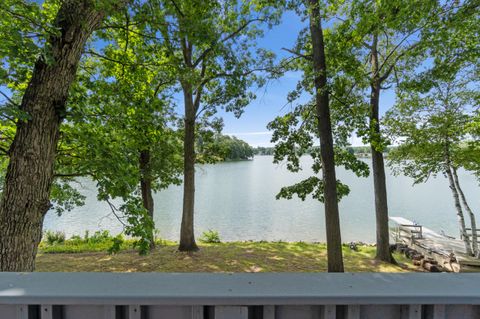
238 200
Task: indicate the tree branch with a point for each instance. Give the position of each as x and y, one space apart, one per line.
228 37
9 99
177 8
298 54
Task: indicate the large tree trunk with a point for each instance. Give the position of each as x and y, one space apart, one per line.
332 219
456 199
187 236
146 188
473 222
378 165
29 174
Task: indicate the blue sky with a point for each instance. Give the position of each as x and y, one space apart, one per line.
270 102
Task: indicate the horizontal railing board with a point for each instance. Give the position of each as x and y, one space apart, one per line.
238 289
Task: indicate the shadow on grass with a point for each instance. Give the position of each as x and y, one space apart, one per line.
223 257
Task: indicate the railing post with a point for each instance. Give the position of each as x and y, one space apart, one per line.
415 312
353 312
197 312
134 312
230 312
439 312
329 311
109 312
22 312
268 312
46 312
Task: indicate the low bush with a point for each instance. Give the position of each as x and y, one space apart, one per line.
210 237
52 238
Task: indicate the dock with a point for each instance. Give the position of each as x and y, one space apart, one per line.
447 251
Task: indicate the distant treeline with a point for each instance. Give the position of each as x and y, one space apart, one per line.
357 150
231 148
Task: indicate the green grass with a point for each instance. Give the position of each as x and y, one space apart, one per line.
220 257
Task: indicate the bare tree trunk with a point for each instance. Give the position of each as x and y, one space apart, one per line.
187 235
461 220
29 176
146 188
332 219
378 165
470 212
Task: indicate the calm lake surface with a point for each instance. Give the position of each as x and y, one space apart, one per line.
238 200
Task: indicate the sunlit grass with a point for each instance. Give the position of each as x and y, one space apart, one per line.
222 257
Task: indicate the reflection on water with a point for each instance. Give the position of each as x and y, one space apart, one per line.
238 200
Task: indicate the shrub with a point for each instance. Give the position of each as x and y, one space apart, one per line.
99 237
57 237
76 238
211 237
116 245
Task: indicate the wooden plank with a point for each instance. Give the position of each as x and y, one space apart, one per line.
7 311
85 311
329 312
439 312
197 312
415 312
237 289
268 312
353 312
461 312
22 312
231 312
109 312
298 312
180 312
373 311
46 312
134 312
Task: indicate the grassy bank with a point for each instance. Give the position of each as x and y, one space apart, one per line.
220 257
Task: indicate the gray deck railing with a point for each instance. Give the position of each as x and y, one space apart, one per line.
238 296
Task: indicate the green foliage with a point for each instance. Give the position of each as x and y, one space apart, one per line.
433 129
139 224
210 236
97 237
118 241
313 186
125 96
102 242
223 148
53 238
296 132
65 197
259 150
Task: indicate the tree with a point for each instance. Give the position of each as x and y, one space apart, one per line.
393 38
123 127
322 108
211 48
229 148
28 181
323 118
433 129
129 146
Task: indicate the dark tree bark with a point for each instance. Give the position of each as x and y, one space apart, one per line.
146 188
332 219
187 235
29 174
378 164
